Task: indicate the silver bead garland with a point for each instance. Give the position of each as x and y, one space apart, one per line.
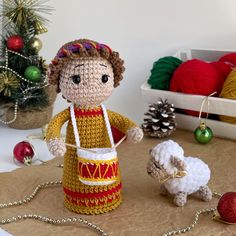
194 223
101 232
34 87
21 77
14 72
38 85
54 221
15 115
45 219
16 53
195 220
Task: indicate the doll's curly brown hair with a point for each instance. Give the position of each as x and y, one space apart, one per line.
84 48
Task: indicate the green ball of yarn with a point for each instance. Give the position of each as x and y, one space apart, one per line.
162 72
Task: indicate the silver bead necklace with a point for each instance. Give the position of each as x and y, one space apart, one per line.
49 220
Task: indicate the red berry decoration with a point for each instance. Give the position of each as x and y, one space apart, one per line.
227 207
24 152
15 43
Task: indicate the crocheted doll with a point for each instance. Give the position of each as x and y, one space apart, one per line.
86 72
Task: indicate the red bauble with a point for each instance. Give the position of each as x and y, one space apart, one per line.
15 43
24 152
227 207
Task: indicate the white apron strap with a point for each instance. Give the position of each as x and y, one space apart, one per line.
75 128
108 125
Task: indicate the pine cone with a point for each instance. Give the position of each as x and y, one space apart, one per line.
161 120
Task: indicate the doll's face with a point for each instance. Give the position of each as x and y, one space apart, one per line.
87 82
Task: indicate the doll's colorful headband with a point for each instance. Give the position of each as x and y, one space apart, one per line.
74 48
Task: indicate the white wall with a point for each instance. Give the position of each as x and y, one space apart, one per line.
142 31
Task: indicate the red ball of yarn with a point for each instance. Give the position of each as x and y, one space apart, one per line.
197 77
230 59
227 207
224 69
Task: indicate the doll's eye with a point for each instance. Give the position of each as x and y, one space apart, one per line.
76 79
105 78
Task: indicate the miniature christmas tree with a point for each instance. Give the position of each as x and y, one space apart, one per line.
23 82
161 120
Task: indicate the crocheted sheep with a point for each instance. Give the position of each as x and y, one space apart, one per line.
180 176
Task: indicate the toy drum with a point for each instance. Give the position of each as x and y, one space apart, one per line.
100 168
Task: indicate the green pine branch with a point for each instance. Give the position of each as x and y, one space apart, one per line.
19 17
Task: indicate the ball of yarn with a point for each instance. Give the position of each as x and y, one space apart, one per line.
196 77
229 91
223 69
162 72
229 58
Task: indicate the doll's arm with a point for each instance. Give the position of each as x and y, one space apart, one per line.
55 144
126 126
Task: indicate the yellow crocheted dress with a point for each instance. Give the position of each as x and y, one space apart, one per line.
81 198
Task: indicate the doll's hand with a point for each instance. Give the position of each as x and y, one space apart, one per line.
57 147
135 134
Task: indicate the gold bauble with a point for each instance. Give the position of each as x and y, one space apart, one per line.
35 44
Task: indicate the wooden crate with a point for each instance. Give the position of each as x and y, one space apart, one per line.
219 106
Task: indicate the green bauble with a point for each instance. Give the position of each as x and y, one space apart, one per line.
203 134
33 73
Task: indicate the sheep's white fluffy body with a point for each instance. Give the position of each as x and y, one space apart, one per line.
198 174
